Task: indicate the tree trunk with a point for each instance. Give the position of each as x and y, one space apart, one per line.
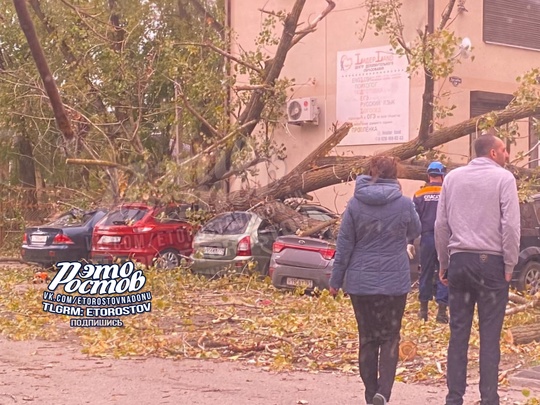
520 335
27 174
288 219
27 26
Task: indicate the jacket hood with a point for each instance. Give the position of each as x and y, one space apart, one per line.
379 192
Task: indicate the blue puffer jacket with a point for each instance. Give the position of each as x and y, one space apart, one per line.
371 253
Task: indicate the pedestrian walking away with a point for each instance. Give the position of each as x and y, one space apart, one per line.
477 234
425 202
371 264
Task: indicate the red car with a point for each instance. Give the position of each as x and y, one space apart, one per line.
147 234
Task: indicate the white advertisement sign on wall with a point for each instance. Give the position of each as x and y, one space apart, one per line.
373 94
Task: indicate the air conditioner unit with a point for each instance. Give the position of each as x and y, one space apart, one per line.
303 110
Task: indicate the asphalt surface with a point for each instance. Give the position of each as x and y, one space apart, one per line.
56 373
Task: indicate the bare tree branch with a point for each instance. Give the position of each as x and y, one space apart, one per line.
214 23
215 145
255 161
312 26
101 163
225 54
188 105
248 87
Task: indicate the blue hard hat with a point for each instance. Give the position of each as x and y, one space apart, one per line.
436 168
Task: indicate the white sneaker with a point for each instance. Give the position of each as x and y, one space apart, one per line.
378 399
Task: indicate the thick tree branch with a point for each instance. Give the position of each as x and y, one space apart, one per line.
308 176
67 51
446 14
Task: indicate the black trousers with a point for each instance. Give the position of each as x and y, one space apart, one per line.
379 322
428 282
475 279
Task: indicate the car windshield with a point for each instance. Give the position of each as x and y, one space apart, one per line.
318 215
72 218
124 216
232 223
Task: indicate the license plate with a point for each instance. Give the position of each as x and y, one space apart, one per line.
299 282
214 251
39 238
110 239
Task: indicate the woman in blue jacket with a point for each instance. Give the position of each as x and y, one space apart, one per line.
372 266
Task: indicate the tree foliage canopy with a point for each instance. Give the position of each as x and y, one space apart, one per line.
154 92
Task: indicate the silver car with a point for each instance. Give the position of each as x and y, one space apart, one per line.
307 262
301 262
233 240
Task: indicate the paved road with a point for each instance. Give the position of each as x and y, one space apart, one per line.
57 373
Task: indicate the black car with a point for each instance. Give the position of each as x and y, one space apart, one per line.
67 238
526 275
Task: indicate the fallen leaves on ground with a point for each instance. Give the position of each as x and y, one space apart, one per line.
243 318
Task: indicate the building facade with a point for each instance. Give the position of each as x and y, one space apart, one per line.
349 74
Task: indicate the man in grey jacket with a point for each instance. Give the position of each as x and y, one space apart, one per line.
477 235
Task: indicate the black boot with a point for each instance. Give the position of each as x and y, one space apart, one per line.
442 314
423 314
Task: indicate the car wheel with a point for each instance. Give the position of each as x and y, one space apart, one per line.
529 278
168 259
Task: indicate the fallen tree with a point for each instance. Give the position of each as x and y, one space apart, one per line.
520 335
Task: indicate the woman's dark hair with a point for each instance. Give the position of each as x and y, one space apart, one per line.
383 167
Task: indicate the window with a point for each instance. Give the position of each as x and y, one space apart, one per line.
232 223
512 22
124 216
483 102
72 218
318 213
171 214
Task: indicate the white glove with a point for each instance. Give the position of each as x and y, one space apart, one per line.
411 251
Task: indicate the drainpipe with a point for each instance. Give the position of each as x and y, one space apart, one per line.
431 16
430 30
228 28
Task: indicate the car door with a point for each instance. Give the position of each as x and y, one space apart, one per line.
266 235
530 231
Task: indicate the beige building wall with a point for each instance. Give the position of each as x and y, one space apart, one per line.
313 64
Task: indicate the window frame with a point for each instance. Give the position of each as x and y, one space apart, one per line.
496 33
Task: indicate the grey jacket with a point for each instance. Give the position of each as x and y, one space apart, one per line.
371 253
478 212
